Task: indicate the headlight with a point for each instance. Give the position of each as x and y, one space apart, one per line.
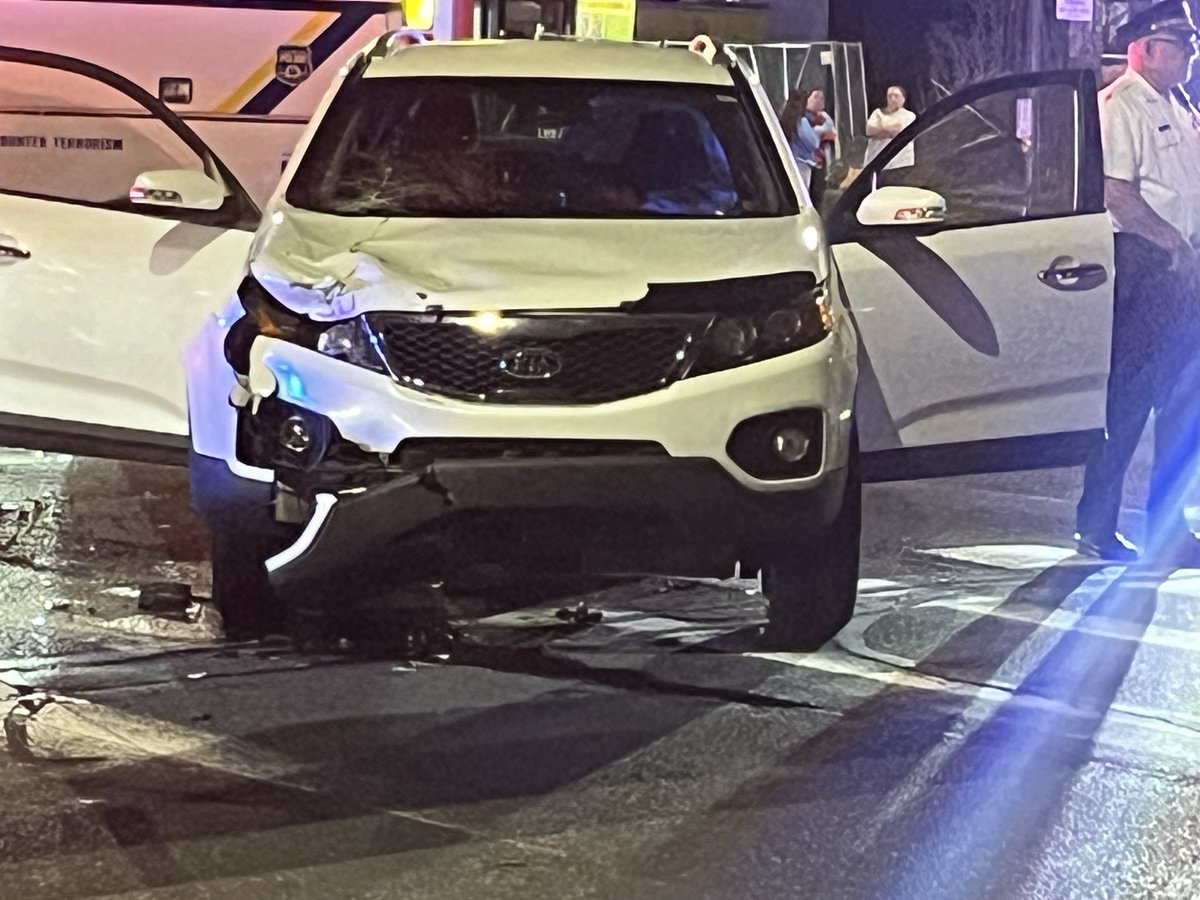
354 342
755 333
269 317
730 338
348 340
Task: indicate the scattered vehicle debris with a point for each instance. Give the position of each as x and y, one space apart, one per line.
580 614
51 727
167 598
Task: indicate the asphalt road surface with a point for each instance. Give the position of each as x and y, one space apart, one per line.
1000 720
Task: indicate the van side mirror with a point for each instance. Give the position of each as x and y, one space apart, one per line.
180 188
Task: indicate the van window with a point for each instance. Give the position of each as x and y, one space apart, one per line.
65 136
519 147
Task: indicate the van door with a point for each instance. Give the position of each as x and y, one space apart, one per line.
98 295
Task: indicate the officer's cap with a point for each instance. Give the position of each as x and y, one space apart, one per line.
1171 18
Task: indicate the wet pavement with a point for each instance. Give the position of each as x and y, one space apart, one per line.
1001 719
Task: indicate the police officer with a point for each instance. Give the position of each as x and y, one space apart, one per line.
1152 191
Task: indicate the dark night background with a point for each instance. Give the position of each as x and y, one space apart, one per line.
911 42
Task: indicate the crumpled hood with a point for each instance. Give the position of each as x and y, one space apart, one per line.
332 267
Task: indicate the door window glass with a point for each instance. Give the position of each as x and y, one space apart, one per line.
1010 156
69 137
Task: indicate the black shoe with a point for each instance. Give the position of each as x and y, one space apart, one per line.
1112 547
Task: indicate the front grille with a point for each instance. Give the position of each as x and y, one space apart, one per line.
538 359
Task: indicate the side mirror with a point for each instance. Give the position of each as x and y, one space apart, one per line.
180 188
897 205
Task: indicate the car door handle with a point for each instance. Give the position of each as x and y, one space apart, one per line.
8 252
1074 278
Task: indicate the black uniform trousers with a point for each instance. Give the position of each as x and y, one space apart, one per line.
1156 330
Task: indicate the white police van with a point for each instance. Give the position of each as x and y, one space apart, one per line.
245 76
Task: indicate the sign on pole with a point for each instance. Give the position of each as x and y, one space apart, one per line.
1074 10
612 19
1025 118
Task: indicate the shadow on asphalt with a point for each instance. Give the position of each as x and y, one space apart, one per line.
357 776
994 791
901 778
796 828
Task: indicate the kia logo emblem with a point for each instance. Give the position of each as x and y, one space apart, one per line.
531 363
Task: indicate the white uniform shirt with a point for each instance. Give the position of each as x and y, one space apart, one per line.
900 120
1152 142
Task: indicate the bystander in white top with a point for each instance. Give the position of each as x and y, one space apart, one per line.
884 124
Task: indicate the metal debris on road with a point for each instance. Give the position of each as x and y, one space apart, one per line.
169 598
201 625
50 727
580 614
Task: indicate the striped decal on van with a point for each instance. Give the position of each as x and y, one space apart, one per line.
274 92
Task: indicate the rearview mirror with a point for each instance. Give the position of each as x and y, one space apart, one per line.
898 205
181 188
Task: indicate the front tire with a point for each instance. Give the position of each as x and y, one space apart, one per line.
242 592
811 587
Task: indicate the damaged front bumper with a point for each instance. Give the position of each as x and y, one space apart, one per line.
642 514
383 481
693 418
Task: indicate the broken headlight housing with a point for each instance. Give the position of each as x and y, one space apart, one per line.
757 331
349 340
352 341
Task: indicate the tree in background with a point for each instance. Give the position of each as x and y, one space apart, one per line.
924 43
985 40
988 38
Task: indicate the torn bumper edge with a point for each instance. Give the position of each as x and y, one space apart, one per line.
671 515
322 506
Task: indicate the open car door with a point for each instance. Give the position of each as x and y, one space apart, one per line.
980 278
99 293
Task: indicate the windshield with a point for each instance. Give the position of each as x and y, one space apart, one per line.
521 147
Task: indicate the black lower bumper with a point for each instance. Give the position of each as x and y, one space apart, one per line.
610 515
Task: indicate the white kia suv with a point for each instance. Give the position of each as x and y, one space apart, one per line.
564 303
561 302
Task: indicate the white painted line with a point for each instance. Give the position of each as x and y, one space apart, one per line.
1007 556
881 587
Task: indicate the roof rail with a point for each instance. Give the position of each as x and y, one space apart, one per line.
395 41
712 51
541 34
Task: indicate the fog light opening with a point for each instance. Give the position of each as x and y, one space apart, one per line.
295 435
282 435
784 444
790 444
